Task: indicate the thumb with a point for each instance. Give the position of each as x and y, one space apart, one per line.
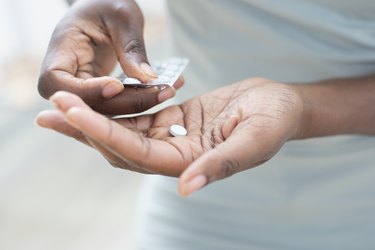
239 152
127 38
134 62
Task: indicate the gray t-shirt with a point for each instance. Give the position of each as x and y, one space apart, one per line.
314 194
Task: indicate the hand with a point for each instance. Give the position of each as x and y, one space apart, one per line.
229 130
84 49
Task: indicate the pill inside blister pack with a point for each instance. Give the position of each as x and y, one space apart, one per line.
168 72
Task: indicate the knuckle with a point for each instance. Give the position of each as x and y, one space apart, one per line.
146 146
123 10
87 91
115 7
135 46
120 9
114 164
120 165
138 104
229 167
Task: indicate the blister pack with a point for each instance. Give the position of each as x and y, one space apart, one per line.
168 72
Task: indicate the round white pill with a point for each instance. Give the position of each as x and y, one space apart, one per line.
130 80
177 130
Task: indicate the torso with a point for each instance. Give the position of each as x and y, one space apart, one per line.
314 194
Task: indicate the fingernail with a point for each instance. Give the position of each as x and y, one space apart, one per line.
166 94
112 88
148 70
194 184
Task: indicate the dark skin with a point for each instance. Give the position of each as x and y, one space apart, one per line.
83 51
230 130
210 119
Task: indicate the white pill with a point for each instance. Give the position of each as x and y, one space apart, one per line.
130 80
177 130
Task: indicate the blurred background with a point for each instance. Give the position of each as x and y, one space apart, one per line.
56 193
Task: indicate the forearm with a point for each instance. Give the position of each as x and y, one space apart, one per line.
339 106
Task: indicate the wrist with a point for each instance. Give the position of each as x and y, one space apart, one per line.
305 127
337 106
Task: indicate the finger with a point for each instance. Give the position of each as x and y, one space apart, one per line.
97 92
54 119
91 90
114 160
68 65
179 83
240 151
126 31
134 100
154 155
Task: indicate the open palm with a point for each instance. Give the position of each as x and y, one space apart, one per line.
229 130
